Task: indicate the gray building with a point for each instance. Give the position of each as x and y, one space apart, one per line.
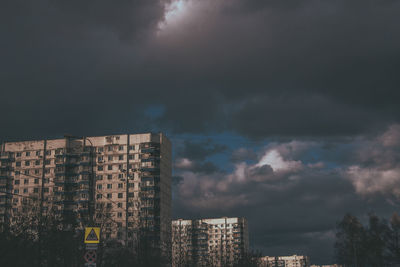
285 261
209 242
120 182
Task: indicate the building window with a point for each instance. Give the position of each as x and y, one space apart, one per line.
25 190
109 206
119 214
100 149
99 186
100 168
17 172
38 153
37 162
48 162
26 172
27 153
120 148
109 186
121 157
109 195
48 152
120 175
16 191
16 182
110 148
47 171
109 176
109 167
120 195
120 185
18 163
26 181
132 194
18 154
132 147
35 190
99 177
119 205
99 196
46 189
36 171
27 163
36 181
100 159
131 157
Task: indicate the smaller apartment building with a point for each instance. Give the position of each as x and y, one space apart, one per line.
285 261
209 242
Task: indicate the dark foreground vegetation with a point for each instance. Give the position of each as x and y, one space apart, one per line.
376 244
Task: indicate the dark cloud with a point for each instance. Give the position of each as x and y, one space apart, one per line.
243 154
199 150
176 180
206 167
321 73
291 200
257 68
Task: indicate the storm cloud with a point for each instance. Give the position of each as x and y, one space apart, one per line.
302 95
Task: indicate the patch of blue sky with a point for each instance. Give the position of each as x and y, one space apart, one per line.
230 140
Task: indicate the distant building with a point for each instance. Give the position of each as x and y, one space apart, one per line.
329 265
209 242
123 181
285 261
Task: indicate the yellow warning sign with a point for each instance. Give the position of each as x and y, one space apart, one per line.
92 235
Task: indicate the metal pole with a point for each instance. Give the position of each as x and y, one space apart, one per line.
127 191
42 200
91 184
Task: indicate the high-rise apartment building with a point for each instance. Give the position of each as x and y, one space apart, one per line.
121 182
209 242
285 261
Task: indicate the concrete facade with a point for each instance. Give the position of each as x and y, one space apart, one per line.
117 171
285 261
209 242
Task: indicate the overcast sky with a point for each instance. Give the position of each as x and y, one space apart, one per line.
285 112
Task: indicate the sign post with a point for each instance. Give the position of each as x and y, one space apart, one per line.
92 239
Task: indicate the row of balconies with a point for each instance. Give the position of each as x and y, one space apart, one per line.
6 168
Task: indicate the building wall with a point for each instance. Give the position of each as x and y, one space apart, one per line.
145 159
209 242
285 261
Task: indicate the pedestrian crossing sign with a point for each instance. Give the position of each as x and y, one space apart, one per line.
92 235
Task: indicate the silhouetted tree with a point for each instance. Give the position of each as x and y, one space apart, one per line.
376 251
350 242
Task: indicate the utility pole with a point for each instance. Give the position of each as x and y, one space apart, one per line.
92 183
127 191
42 200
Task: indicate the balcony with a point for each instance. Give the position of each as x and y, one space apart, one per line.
6 156
151 170
6 168
152 159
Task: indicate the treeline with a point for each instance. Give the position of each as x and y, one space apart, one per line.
54 240
376 244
